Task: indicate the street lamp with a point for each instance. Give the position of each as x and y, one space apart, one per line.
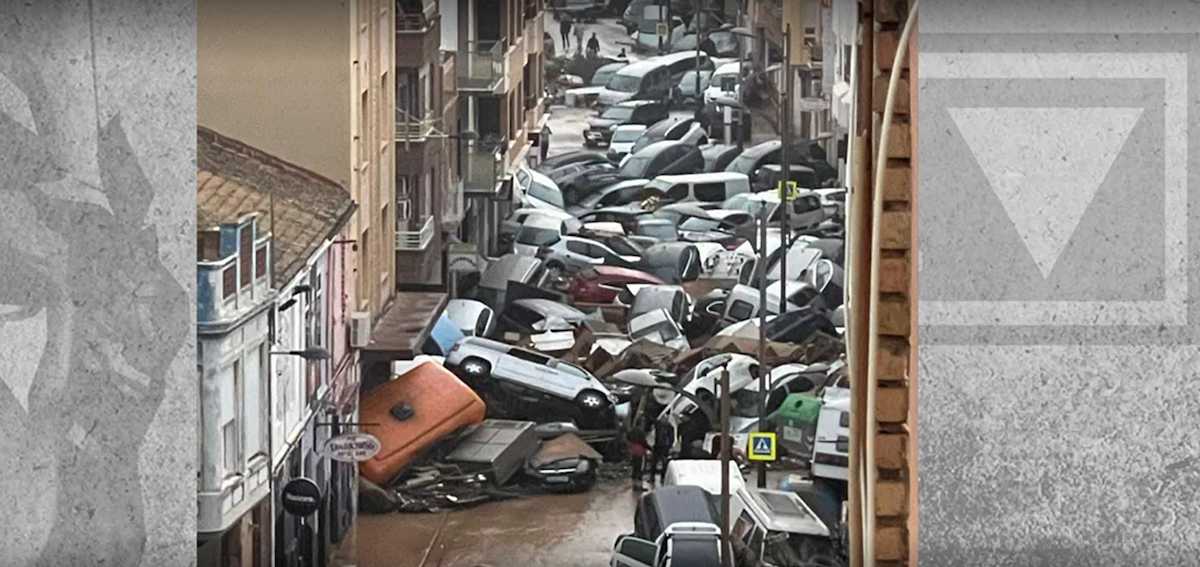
309 354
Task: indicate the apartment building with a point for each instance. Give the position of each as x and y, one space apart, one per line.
811 40
429 191
499 66
311 83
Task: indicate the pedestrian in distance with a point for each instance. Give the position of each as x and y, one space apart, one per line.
593 46
622 56
664 441
564 31
578 39
637 455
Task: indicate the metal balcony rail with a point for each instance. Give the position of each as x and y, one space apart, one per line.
483 64
413 128
414 240
484 164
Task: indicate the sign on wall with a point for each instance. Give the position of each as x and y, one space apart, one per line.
351 447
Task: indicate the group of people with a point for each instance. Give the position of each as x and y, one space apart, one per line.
565 27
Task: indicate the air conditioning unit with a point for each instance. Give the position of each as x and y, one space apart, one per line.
360 329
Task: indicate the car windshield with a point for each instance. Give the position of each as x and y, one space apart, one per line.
745 403
687 85
548 193
699 224
534 236
636 166
618 113
626 134
663 328
661 231
624 83
604 74
624 247
744 202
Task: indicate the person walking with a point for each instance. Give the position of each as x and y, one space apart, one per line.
593 45
622 55
664 442
578 39
637 455
564 31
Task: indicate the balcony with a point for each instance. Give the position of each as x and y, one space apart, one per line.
220 298
220 506
409 240
413 129
418 39
485 165
482 66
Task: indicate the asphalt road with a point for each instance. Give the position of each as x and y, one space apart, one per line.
536 531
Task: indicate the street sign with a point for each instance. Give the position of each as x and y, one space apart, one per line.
301 497
662 30
761 447
791 193
351 447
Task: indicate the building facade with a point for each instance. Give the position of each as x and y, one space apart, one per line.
429 191
292 362
501 100
234 304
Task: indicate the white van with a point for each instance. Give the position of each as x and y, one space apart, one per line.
701 187
831 452
706 473
724 82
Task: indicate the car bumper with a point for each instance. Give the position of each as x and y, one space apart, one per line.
593 138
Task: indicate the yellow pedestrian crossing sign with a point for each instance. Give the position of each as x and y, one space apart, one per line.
762 447
788 191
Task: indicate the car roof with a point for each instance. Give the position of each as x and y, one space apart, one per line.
762 149
627 127
614 65
550 307
659 146
497 275
728 68
684 503
636 103
619 272
702 177
543 221
640 68
678 56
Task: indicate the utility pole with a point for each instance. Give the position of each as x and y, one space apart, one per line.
726 450
699 40
761 268
785 125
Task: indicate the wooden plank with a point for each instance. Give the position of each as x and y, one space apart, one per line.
891 498
900 105
891 543
895 230
891 451
892 359
891 404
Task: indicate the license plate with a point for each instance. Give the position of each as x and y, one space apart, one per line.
558 479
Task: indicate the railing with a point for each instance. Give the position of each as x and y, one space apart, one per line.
411 23
483 65
415 240
220 294
410 128
484 165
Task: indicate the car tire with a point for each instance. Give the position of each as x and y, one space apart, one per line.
555 269
474 368
592 406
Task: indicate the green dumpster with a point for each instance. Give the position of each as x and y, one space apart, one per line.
796 422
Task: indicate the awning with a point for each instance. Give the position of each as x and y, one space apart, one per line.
405 326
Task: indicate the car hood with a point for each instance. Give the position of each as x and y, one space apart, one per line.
596 123
610 97
585 91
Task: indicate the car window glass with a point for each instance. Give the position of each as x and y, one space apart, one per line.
481 324
740 310
577 247
743 527
711 192
596 251
529 356
677 192
523 315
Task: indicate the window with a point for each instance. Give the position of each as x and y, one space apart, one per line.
711 192
844 419
260 262
264 398
318 307
245 255
229 282
529 356
677 192
252 414
229 437
577 247
740 310
843 444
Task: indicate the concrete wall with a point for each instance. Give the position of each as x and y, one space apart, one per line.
276 75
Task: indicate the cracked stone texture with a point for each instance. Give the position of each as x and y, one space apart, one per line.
1044 445
97 229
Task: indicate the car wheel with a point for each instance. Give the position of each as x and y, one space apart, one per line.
555 269
475 368
592 401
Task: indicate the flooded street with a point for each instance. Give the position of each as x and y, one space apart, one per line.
534 531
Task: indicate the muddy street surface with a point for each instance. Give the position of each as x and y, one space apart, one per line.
535 531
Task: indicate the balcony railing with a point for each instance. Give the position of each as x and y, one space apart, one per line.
484 165
482 65
411 23
220 294
412 128
415 240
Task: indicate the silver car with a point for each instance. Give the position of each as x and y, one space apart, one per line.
525 384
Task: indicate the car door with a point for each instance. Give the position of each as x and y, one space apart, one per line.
631 551
525 368
579 254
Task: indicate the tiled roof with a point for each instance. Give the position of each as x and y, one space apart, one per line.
234 179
